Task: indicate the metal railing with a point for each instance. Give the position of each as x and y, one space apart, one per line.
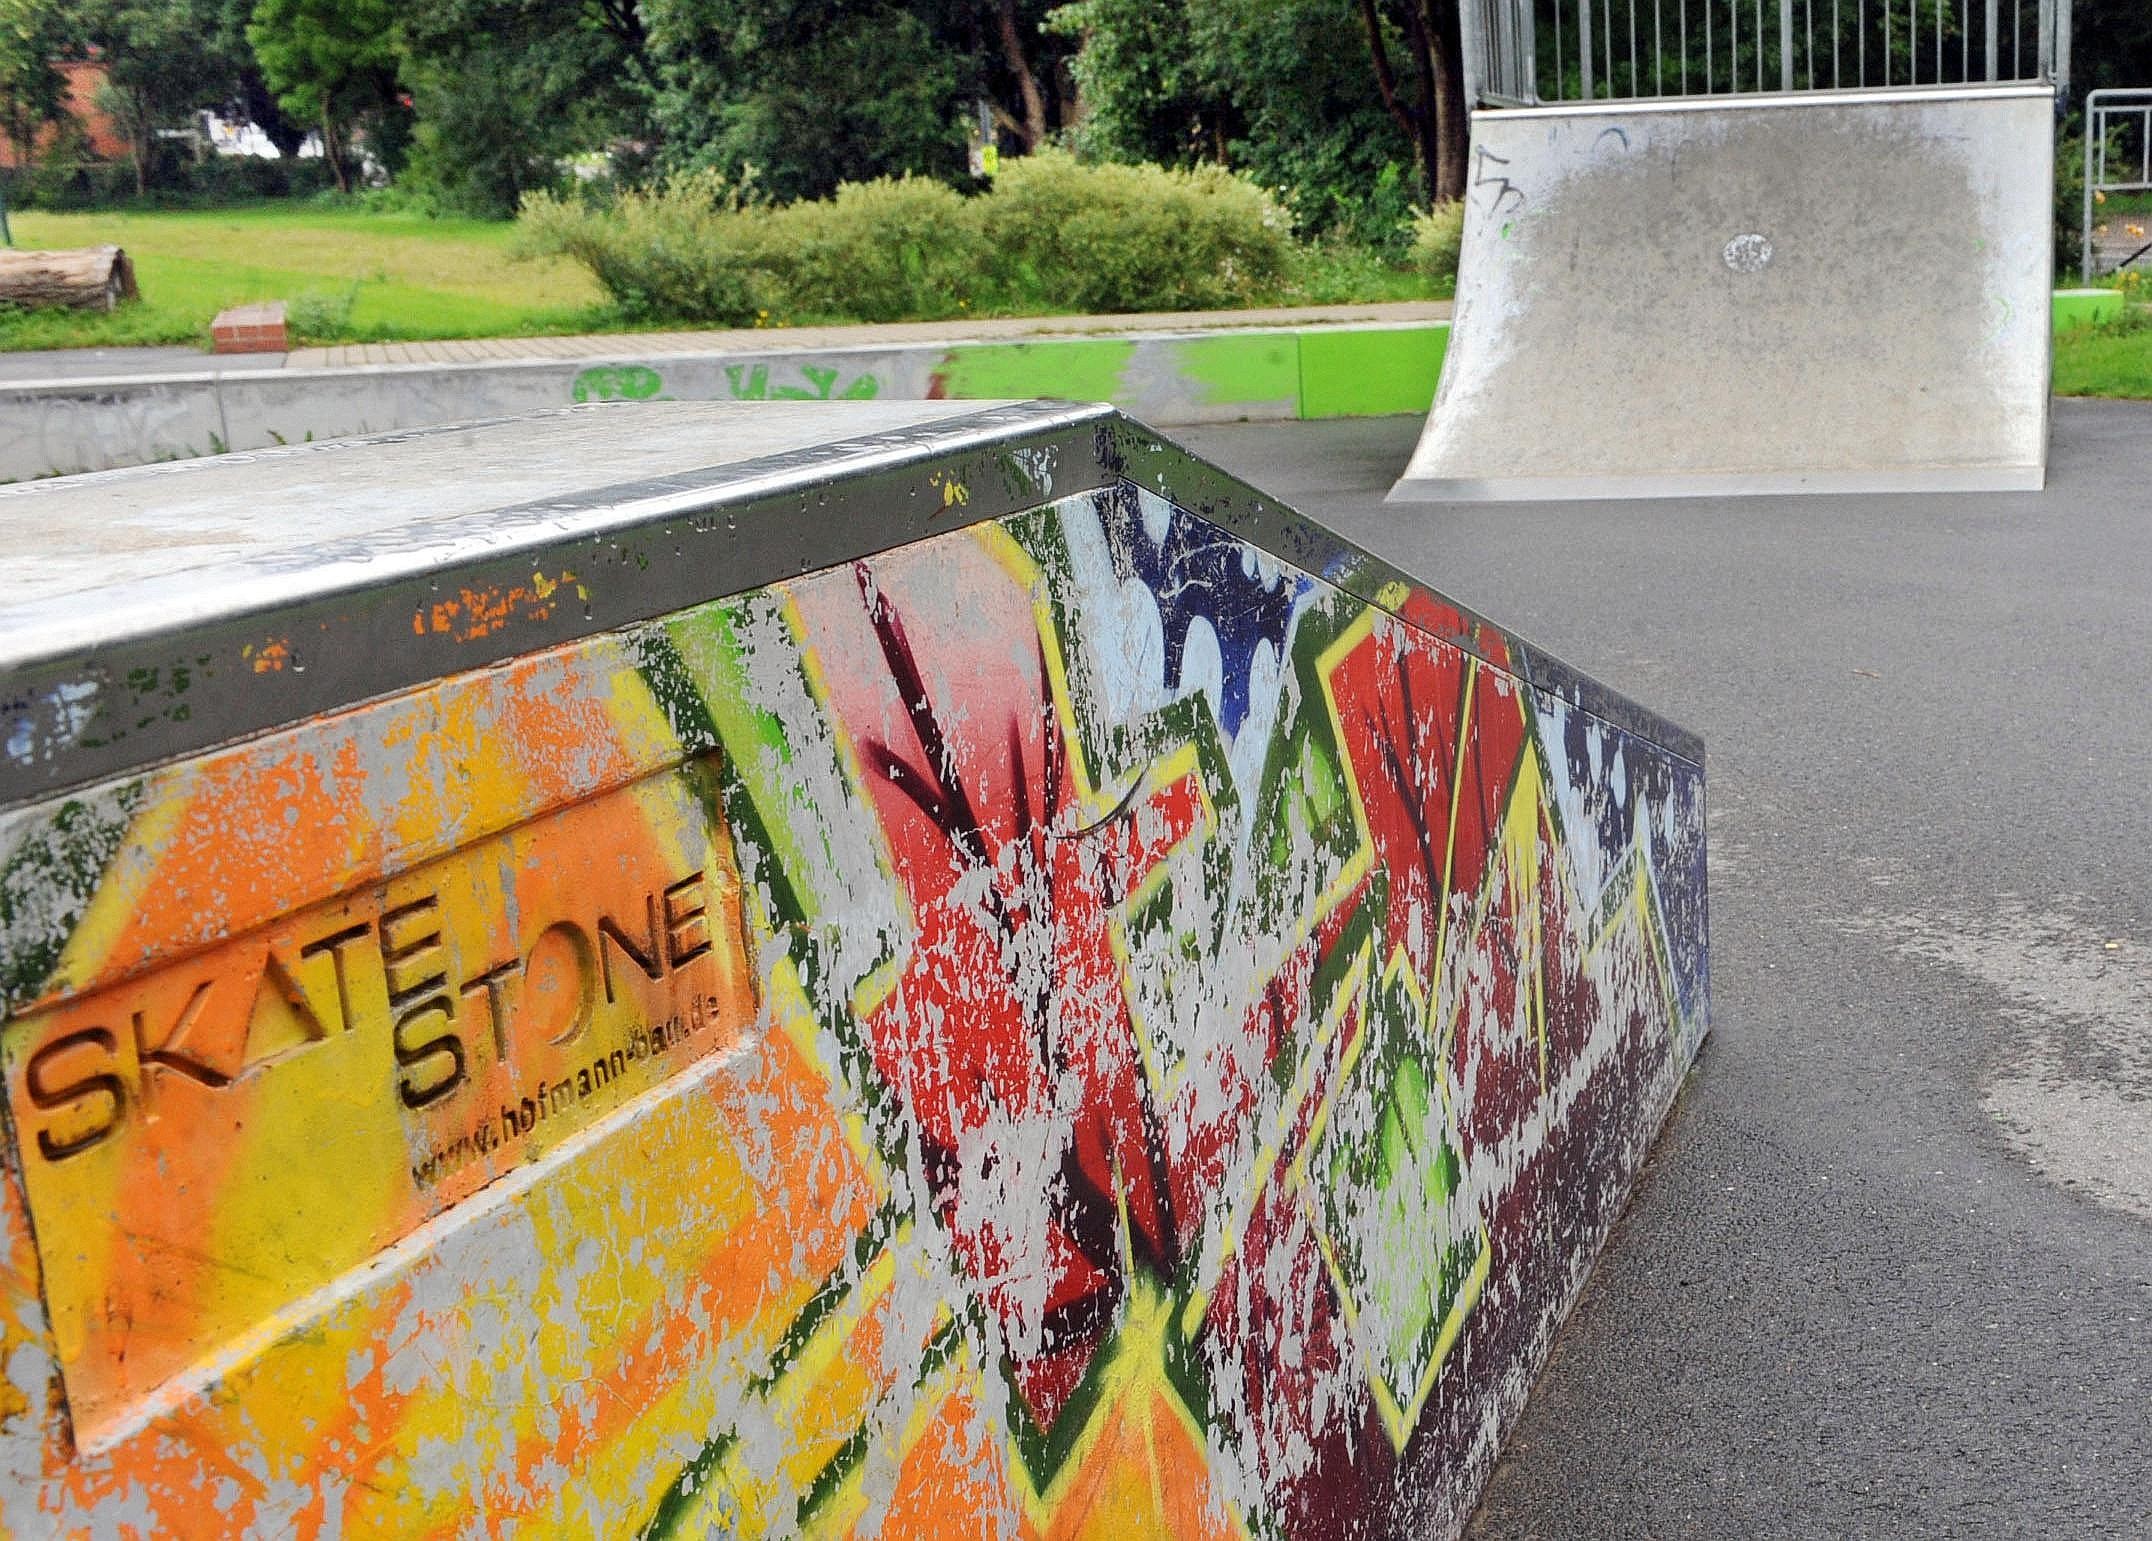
2118 159
1522 53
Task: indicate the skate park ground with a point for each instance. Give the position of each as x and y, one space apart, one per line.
1889 1270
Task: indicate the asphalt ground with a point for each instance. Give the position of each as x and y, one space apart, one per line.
1889 1269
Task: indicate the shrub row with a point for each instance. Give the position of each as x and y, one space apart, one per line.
1051 232
175 183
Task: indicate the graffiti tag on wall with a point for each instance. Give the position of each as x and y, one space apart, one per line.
744 382
1202 1025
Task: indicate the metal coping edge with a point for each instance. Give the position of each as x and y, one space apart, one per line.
370 647
86 711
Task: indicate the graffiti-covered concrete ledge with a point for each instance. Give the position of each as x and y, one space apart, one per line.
688 968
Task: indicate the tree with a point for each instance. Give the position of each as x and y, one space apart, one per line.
33 33
164 60
812 94
331 63
505 89
808 95
1433 113
1287 90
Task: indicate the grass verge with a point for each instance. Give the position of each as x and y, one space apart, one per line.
2114 359
361 276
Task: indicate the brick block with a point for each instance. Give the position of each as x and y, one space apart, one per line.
250 329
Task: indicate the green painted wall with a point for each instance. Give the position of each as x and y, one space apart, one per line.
2084 307
1328 371
1233 367
1354 372
1070 369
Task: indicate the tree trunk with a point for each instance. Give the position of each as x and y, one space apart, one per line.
94 279
1426 118
1027 84
332 151
143 142
1453 115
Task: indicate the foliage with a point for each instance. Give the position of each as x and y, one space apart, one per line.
886 250
2069 207
1438 236
505 91
1052 234
1282 89
806 97
1148 96
812 93
684 250
163 59
32 34
67 178
333 63
1106 238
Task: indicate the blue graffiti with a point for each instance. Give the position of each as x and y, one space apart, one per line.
1197 572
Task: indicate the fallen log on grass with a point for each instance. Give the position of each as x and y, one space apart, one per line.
96 278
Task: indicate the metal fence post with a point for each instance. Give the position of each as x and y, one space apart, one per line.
2062 48
1468 41
1785 45
2084 250
1584 32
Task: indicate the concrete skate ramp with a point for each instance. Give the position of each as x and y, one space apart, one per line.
1832 293
900 969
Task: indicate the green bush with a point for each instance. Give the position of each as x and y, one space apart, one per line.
1109 237
684 250
65 185
2069 207
1051 233
322 315
1438 236
893 249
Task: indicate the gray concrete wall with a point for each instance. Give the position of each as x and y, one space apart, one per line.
63 426
1828 292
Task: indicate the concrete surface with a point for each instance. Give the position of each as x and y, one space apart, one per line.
1770 294
1890 1272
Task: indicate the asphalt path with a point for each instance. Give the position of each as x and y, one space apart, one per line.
108 363
1889 1270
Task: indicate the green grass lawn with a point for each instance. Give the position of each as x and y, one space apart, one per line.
2110 360
352 276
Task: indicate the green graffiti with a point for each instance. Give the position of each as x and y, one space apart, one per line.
751 382
618 382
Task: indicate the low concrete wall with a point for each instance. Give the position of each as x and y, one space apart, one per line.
1097 1019
87 425
1167 379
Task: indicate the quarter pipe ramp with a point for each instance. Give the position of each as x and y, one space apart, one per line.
1826 292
